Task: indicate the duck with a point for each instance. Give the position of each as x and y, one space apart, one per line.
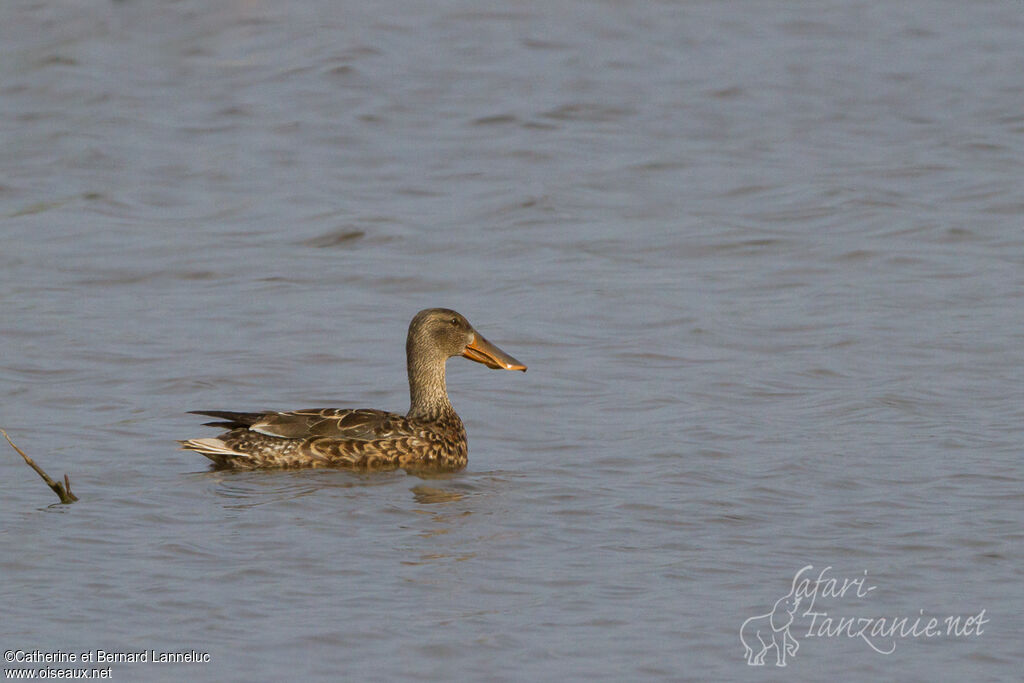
430 436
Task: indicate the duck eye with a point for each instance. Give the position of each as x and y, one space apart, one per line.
454 321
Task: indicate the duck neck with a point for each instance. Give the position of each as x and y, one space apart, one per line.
428 393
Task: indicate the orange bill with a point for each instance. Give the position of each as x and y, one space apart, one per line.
483 351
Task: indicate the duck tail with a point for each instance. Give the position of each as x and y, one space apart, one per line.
214 449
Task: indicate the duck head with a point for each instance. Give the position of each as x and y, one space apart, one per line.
443 333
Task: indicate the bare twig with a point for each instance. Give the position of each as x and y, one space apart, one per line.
63 491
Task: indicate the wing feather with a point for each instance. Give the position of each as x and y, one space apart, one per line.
357 425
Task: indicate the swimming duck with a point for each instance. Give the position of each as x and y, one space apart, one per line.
430 436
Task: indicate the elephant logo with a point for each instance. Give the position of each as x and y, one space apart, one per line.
766 631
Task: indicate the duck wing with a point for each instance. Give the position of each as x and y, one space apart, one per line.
361 424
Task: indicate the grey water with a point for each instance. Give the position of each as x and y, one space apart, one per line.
764 260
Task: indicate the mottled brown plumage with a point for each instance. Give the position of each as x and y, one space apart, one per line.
430 436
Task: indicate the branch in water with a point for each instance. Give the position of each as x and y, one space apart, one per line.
63 491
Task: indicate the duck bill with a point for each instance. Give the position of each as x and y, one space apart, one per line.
483 351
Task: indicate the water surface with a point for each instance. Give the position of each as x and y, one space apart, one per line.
764 261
